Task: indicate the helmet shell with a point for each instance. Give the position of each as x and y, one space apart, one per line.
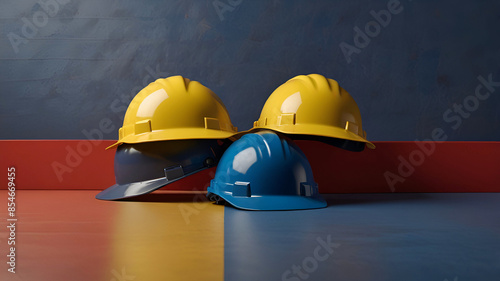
144 167
175 108
266 171
313 105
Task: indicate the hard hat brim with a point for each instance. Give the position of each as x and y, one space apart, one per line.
275 202
175 134
315 130
123 191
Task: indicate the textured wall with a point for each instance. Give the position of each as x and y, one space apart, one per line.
66 66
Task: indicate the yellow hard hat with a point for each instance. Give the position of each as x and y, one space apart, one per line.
313 105
175 108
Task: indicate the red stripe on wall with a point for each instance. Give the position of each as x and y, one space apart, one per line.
71 164
392 167
58 164
406 167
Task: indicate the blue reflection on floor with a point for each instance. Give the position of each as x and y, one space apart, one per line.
425 236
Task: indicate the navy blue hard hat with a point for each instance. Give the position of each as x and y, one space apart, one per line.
265 171
144 167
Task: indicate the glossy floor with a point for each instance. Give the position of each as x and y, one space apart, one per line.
69 235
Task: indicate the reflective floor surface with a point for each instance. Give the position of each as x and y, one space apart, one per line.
69 235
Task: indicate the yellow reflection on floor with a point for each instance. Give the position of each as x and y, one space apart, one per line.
168 241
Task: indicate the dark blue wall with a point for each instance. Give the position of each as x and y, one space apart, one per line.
80 62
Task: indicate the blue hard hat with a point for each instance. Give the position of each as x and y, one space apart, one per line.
141 168
265 171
